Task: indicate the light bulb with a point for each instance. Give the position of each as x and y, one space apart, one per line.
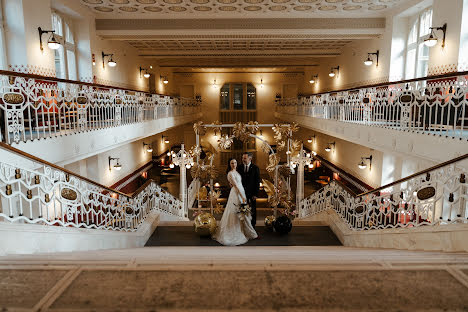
431 41
165 81
328 148
171 165
314 153
309 140
308 155
332 74
368 62
112 63
146 75
362 165
118 166
311 166
149 149
187 166
53 45
311 81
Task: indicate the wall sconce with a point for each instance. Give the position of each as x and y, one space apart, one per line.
311 139
369 60
261 135
93 58
261 83
117 166
362 164
332 71
165 139
164 79
313 79
214 84
330 146
432 39
110 62
52 43
215 134
149 148
146 74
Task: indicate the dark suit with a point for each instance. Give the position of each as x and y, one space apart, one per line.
251 183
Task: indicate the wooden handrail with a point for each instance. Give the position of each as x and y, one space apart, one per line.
389 83
24 154
54 79
449 162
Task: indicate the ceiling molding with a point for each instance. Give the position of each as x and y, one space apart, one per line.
239 23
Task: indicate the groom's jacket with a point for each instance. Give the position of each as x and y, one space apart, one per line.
250 179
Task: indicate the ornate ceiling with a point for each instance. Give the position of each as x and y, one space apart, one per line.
231 8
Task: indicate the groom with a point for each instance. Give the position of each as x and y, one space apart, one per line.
251 181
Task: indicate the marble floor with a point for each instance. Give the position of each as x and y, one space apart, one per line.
305 278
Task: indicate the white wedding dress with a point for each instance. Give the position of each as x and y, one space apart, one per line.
232 230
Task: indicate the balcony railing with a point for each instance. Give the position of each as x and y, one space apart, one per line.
34 107
436 105
436 196
39 192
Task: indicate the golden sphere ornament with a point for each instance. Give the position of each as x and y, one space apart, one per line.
205 224
269 222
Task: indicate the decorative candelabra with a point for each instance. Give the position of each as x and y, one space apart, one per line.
184 161
300 160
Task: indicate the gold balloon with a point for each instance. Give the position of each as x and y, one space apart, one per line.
205 224
269 221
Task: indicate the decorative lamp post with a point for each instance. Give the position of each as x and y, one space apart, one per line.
184 161
302 159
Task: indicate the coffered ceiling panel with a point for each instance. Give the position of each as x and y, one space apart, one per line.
230 8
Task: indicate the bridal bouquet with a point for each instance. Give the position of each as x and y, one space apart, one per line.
244 210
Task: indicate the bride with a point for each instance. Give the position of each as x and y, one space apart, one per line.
232 230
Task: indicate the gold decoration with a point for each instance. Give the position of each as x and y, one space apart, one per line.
195 151
69 194
219 128
269 221
81 100
203 172
295 145
241 132
273 161
268 187
225 142
281 145
214 196
218 208
284 170
254 127
9 191
266 148
199 128
202 193
205 224
13 98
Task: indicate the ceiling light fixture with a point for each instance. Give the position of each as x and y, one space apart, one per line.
110 62
52 43
332 71
117 166
432 39
369 60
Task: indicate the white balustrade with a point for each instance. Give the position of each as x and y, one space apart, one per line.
436 197
437 107
33 109
50 196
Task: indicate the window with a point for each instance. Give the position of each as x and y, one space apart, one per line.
417 53
65 59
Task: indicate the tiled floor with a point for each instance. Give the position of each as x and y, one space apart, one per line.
236 279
